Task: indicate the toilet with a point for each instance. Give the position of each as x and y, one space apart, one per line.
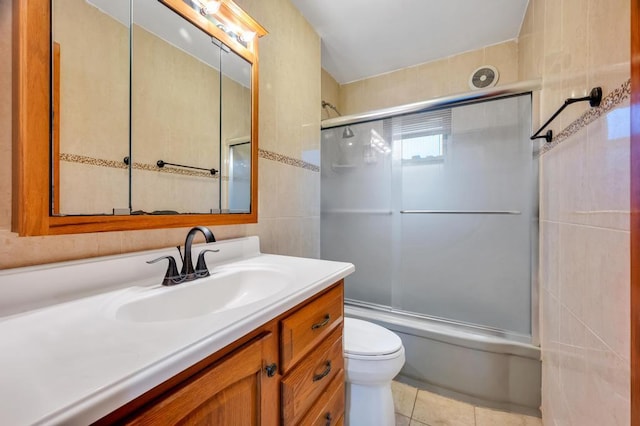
373 356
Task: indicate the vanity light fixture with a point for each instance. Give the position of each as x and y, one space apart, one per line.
247 36
209 8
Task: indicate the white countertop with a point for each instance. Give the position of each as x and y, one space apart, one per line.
73 362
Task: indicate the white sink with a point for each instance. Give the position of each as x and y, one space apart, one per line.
120 333
225 289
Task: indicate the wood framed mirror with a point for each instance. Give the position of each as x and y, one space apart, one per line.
51 189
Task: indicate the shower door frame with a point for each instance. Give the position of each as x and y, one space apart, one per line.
494 93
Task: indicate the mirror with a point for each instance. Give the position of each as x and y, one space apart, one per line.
78 131
236 131
175 107
151 112
90 102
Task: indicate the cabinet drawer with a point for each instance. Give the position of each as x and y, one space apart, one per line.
330 405
301 330
302 386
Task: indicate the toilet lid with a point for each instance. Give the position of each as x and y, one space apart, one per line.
366 338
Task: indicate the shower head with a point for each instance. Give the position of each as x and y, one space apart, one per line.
347 133
326 105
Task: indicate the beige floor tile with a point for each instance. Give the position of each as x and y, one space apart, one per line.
417 423
402 420
404 398
487 417
436 410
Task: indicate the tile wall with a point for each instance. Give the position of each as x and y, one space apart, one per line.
330 93
289 179
430 80
574 45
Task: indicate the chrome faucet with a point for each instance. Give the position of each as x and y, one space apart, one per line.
188 273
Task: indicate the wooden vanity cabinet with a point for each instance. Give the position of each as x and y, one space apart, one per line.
231 392
312 359
289 371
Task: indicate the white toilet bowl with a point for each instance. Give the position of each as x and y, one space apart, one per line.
373 356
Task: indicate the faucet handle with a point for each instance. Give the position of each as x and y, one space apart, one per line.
201 266
172 276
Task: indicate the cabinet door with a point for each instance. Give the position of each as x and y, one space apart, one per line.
234 391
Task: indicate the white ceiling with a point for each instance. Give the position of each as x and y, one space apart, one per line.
363 38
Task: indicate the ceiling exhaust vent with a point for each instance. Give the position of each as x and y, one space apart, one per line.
483 77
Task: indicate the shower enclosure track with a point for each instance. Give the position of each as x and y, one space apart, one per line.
436 103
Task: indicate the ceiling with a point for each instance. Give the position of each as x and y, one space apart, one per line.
363 38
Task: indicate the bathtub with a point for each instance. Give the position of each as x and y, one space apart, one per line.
481 366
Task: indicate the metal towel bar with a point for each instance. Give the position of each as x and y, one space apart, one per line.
361 211
389 212
515 212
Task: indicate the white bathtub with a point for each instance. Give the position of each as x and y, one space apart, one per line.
480 366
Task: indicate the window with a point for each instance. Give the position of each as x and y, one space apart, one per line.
422 137
423 149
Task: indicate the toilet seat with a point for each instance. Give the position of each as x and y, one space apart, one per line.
365 340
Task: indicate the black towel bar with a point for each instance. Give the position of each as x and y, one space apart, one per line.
161 164
594 98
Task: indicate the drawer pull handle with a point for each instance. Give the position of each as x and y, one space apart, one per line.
271 370
322 323
324 373
328 419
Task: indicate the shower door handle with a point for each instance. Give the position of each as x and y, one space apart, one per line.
515 212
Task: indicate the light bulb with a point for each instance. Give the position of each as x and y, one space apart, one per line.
247 36
211 7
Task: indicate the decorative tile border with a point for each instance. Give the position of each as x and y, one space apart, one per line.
608 103
82 159
262 153
274 156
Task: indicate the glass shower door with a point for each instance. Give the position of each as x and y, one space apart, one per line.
436 210
465 215
356 210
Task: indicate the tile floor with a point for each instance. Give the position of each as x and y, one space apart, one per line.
421 408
